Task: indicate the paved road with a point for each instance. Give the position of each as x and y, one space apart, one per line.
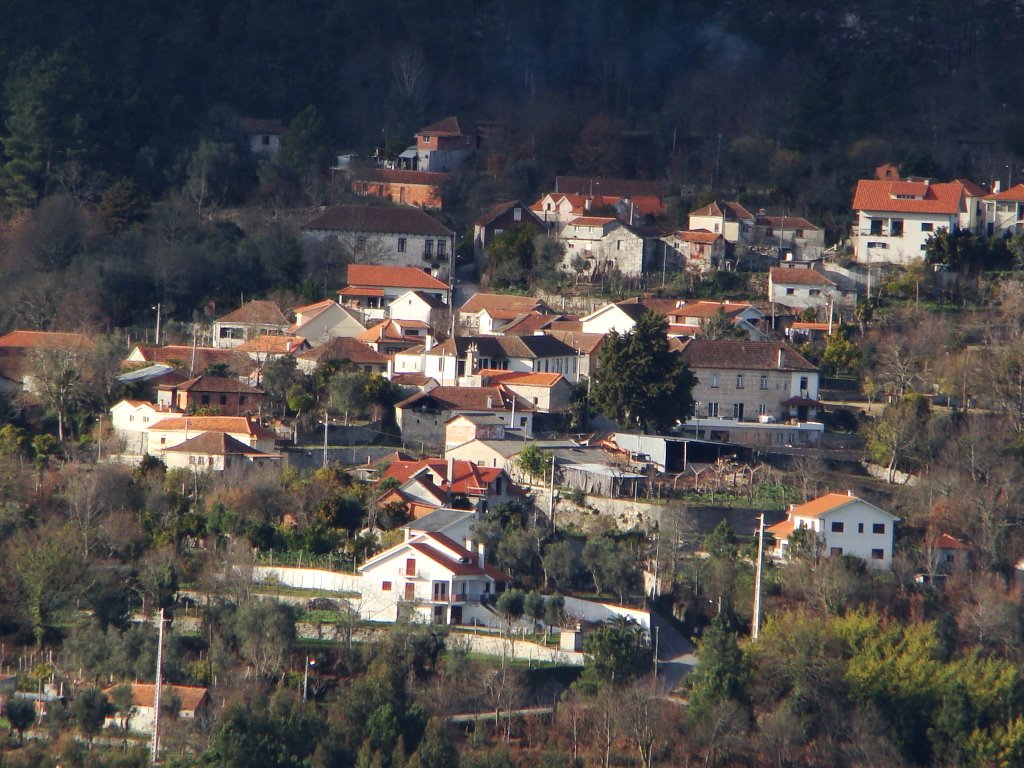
676 656
465 285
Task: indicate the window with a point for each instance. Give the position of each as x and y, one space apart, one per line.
517 214
803 383
814 292
241 399
716 227
764 381
536 401
790 291
440 249
428 247
762 409
223 399
896 228
206 399
618 245
522 421
860 527
401 244
924 246
878 528
837 526
714 381
360 243
737 411
713 410
410 566
385 586
876 227
879 246
927 226
877 554
836 551
739 381
265 140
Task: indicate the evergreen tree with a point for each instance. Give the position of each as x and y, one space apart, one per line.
640 382
722 672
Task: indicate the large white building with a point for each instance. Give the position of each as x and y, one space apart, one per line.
843 524
895 218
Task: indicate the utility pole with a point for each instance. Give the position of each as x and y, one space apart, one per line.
551 495
305 677
325 438
755 630
158 308
155 756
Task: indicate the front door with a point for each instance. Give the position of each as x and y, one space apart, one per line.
410 591
456 614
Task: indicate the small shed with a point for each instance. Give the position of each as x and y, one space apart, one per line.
602 480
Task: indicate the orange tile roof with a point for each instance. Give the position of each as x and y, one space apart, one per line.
522 378
909 196
391 330
312 310
216 444
256 312
798 276
822 504
698 236
273 345
727 210
501 301
144 695
449 126
237 425
802 326
945 541
344 348
707 309
781 530
375 276
45 340
1014 193
592 221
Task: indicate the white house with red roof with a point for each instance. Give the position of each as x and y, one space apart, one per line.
390 336
1004 211
422 416
216 452
434 483
254 318
433 578
728 219
697 250
492 313
802 287
895 218
371 288
326 320
605 244
840 524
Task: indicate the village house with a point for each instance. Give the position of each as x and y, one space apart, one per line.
466 356
345 351
193 360
690 317
174 430
325 320
840 524
252 319
794 236
20 350
418 188
512 214
390 336
371 289
405 237
895 219
422 307
422 417
441 147
1004 211
762 381
216 452
432 578
729 219
697 250
807 288
226 397
193 703
492 313
605 245
431 484
548 393
264 135
130 422
621 316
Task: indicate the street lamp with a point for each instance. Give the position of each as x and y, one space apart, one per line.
158 307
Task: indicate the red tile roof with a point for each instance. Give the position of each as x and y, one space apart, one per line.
788 222
619 188
397 176
268 344
381 219
236 425
945 541
799 276
144 695
822 504
523 378
698 236
910 196
592 221
743 355
468 399
213 384
449 126
1014 194
257 313
344 348
501 301
701 308
374 276
728 210
45 340
216 444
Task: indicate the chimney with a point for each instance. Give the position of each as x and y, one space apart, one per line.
481 555
849 492
451 472
428 343
780 357
469 543
997 186
490 403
